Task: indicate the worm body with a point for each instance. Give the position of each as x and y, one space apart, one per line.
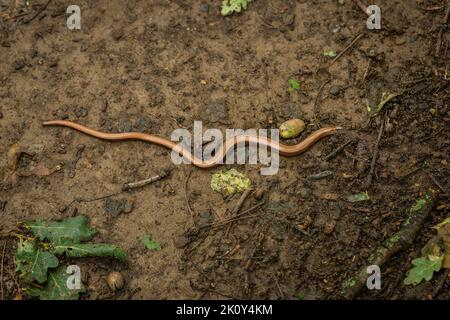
284 150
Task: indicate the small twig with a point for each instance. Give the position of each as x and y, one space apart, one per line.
375 156
186 198
239 216
126 187
1 271
279 288
238 207
362 7
241 201
138 184
441 31
366 73
436 182
359 36
339 149
316 102
38 12
404 239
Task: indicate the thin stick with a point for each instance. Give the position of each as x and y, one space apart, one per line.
437 183
359 36
186 198
138 184
241 201
362 7
375 155
239 216
38 12
316 102
339 149
238 207
1 272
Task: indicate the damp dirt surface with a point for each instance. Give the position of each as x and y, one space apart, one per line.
156 66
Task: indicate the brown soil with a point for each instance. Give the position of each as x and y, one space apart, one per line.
155 66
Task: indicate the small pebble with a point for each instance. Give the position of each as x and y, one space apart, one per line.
81 112
134 75
181 242
117 34
371 53
335 90
304 192
204 7
105 105
329 227
19 64
81 147
72 211
129 206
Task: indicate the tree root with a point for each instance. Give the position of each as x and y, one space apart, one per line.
402 240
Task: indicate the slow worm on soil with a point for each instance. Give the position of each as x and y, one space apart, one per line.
284 150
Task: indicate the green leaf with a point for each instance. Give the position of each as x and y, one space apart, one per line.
72 230
363 196
33 263
151 244
56 287
423 269
294 85
230 6
84 250
330 53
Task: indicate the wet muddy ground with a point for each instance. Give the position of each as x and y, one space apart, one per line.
156 66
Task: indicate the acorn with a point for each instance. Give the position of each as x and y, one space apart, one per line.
292 128
115 281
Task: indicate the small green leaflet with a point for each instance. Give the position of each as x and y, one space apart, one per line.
82 250
330 53
294 85
423 269
443 223
72 230
33 263
56 287
230 6
363 196
151 244
420 203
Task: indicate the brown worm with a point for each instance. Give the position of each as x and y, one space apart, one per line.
284 150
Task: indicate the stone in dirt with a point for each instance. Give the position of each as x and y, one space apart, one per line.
117 207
